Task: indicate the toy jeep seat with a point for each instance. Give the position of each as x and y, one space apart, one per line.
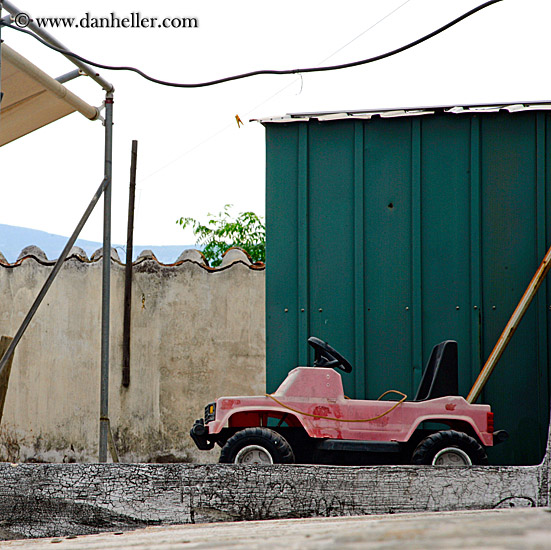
440 375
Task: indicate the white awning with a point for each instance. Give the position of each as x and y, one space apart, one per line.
32 98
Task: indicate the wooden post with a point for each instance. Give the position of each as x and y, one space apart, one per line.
128 271
5 341
510 328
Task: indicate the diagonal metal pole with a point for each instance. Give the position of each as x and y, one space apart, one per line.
106 189
58 265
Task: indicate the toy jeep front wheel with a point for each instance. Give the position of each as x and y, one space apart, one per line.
449 448
257 446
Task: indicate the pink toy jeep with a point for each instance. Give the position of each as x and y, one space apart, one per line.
309 420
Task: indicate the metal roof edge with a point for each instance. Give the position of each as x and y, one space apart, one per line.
366 114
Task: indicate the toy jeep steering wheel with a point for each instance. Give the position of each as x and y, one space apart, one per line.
326 356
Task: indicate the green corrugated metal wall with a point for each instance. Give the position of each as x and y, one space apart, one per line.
387 236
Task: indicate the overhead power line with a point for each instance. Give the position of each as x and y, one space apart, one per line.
223 129
261 71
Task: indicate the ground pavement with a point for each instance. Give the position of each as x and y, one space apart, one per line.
516 528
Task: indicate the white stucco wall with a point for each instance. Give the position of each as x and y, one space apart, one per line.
197 333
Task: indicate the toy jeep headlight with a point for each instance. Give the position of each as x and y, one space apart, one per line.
210 412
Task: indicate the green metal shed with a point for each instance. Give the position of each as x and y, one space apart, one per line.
389 231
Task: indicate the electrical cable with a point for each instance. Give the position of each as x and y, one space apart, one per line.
404 397
219 131
262 71
340 49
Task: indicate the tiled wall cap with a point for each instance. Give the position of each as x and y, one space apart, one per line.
79 252
235 255
99 254
148 255
192 255
33 250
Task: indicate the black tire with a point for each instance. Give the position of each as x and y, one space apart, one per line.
449 447
257 446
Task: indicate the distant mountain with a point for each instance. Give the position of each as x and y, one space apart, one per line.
13 239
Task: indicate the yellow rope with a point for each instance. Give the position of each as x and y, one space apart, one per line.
404 397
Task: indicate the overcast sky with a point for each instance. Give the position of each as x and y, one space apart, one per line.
193 158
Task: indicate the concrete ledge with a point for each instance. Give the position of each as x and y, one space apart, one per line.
74 499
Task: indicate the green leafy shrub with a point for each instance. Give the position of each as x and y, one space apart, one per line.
222 231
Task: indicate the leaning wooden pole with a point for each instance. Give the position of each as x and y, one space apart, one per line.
128 270
510 328
5 342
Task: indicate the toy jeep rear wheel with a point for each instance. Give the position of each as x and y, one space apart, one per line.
257 446
449 448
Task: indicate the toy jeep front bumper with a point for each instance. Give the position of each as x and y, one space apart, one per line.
199 433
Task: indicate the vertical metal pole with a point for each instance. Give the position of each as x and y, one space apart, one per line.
106 283
128 270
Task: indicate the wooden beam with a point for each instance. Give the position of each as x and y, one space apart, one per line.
5 341
45 500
